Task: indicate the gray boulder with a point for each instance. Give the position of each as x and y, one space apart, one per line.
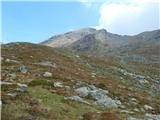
152 116
102 99
99 95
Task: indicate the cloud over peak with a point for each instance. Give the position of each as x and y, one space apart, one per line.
129 16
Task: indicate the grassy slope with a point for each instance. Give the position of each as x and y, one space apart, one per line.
70 70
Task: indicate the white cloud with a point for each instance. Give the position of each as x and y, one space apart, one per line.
129 17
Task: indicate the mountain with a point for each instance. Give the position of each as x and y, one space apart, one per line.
142 47
68 38
45 83
80 36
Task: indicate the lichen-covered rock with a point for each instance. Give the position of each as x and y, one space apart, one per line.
99 95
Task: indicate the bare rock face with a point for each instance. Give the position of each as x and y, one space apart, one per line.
68 38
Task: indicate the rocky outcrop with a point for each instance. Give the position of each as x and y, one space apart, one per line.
99 95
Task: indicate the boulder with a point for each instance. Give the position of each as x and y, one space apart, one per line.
152 116
99 95
103 100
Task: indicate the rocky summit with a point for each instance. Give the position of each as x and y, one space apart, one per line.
86 74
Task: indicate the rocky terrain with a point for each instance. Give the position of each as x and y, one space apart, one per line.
44 83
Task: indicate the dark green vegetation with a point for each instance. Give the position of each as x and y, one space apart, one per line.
133 83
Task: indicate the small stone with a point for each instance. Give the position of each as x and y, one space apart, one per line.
23 69
13 76
118 102
136 109
77 56
58 84
93 75
47 74
133 99
122 106
14 94
147 107
22 87
11 61
126 111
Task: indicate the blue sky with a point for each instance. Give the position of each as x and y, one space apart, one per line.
37 21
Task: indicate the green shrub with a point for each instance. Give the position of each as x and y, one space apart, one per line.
101 85
40 82
5 88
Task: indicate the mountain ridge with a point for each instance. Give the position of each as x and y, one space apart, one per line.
101 43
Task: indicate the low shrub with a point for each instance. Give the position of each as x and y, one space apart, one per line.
40 82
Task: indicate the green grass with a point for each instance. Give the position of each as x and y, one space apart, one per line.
58 105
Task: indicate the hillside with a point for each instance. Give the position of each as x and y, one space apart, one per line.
45 83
